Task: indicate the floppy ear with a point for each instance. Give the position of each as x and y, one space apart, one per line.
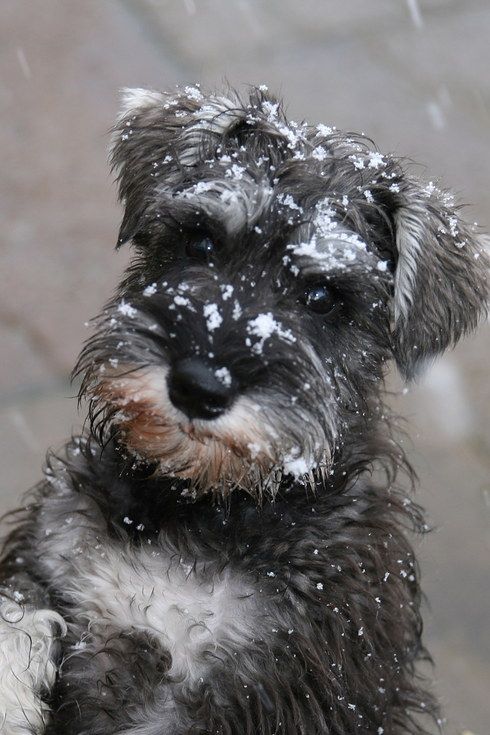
158 135
143 140
440 289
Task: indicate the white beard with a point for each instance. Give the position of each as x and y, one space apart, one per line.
239 449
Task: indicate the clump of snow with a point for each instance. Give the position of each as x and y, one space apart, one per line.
181 300
447 198
296 467
203 186
319 153
79 646
126 309
226 291
305 249
358 162
150 290
288 201
376 160
429 189
263 327
193 93
294 135
332 250
349 254
325 130
453 226
224 376
353 238
296 464
324 217
213 317
196 189
235 172
271 110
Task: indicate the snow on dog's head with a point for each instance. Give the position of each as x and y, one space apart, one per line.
278 268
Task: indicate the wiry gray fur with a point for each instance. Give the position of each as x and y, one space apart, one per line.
245 573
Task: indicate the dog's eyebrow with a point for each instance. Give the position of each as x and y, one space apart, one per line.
337 252
324 243
237 206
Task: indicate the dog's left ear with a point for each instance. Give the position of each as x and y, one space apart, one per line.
147 133
440 289
138 133
157 133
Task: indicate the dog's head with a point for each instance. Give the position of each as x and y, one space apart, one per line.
278 268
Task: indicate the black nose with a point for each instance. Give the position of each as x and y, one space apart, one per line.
199 390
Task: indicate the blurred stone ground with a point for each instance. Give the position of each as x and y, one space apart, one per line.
414 76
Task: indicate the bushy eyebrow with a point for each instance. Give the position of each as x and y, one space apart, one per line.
234 209
317 226
338 251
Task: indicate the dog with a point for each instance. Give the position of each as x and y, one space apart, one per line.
224 550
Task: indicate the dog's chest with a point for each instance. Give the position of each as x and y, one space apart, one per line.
195 611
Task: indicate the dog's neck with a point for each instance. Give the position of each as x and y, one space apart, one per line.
371 453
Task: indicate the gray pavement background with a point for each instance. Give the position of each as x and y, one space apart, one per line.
412 75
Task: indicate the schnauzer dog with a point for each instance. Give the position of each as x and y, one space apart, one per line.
224 550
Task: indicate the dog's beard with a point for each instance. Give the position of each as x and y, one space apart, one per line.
240 449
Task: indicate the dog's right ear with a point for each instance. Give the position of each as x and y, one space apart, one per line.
144 136
441 277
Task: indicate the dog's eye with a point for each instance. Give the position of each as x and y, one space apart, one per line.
319 297
201 248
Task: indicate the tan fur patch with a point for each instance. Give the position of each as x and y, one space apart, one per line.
231 451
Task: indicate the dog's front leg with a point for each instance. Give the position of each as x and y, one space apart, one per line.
29 635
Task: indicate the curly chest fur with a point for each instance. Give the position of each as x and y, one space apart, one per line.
193 612
227 607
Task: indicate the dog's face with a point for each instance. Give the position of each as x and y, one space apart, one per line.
278 268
